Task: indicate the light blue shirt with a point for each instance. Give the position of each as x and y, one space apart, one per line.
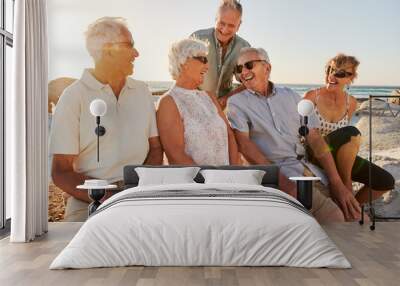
272 123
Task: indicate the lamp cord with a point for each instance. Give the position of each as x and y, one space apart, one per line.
98 143
98 138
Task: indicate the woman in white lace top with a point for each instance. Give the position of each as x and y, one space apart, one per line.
192 127
334 108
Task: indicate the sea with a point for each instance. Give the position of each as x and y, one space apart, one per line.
361 92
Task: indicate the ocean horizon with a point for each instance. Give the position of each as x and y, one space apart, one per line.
358 91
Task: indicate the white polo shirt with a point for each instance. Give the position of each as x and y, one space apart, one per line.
129 122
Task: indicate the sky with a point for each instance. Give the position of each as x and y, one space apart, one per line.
299 35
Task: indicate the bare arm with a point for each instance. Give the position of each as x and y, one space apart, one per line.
171 130
322 153
222 100
352 106
234 158
343 196
155 155
249 149
66 178
310 95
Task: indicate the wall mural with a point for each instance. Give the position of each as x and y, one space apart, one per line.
105 119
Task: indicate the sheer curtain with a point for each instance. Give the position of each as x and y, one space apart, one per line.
26 119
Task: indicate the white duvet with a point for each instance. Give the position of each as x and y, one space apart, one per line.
183 231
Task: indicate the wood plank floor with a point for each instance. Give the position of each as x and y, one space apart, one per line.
374 255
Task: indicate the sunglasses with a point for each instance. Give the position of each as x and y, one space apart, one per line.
338 73
201 59
249 65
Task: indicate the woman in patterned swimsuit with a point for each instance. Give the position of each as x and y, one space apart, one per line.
334 108
192 127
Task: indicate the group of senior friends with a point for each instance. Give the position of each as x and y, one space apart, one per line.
190 126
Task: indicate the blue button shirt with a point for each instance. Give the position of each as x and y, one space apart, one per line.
272 123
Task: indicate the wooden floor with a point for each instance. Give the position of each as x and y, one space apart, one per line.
375 256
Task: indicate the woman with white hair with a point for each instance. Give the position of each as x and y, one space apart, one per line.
192 127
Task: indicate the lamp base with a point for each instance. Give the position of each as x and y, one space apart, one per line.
100 130
96 195
303 130
304 193
304 190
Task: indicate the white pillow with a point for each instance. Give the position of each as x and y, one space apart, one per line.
248 177
163 176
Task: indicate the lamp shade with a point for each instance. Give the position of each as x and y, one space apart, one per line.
305 107
98 107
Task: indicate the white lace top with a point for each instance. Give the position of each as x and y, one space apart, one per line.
205 132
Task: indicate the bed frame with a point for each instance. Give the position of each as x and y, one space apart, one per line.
270 179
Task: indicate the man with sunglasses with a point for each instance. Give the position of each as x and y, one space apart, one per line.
224 47
266 123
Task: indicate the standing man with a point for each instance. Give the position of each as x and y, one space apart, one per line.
224 47
266 124
131 132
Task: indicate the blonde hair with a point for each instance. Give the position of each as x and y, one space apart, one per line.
340 61
102 31
182 50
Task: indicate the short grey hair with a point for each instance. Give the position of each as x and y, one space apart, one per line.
182 50
231 4
102 31
258 51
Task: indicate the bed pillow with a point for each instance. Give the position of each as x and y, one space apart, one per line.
248 177
163 176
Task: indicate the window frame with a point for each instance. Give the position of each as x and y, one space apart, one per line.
6 39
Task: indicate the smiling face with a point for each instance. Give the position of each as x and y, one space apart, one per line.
120 55
194 69
337 77
227 24
255 72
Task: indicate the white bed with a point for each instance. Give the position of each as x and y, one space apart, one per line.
221 225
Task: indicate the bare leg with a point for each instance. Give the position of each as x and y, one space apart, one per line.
345 158
324 209
339 192
335 216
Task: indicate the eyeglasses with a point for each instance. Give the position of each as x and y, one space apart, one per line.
130 45
338 73
201 59
249 65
